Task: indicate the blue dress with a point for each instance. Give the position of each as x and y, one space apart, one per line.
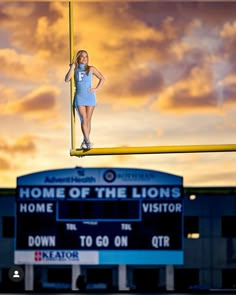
82 83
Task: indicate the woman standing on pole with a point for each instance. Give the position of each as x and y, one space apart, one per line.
85 97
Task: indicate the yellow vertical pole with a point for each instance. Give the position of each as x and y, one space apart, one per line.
71 40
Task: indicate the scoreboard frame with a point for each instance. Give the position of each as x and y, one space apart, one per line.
99 216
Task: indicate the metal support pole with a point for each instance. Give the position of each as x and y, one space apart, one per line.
71 41
170 278
122 277
29 277
76 271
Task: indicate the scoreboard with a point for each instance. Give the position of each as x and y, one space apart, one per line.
99 216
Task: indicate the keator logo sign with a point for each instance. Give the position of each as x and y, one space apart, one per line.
56 256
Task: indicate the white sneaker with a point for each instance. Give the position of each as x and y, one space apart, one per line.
89 145
83 146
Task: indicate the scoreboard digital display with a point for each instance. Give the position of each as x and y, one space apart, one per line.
99 216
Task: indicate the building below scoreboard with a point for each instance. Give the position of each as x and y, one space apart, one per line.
99 234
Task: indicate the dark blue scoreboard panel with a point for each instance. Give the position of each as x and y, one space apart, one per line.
100 224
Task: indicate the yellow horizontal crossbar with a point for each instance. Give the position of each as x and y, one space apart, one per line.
154 150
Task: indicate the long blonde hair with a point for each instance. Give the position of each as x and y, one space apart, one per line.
77 58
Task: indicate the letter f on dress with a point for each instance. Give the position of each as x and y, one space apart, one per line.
81 75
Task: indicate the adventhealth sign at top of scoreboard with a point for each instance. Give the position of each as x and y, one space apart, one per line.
99 216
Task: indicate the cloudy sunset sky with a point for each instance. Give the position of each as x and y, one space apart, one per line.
170 70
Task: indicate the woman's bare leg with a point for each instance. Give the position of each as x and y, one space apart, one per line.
89 113
84 122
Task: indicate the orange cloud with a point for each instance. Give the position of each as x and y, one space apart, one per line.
40 28
6 95
138 38
228 30
23 67
190 94
4 164
228 90
45 32
134 87
40 104
24 144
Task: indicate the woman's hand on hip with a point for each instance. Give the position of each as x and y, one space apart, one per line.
92 89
